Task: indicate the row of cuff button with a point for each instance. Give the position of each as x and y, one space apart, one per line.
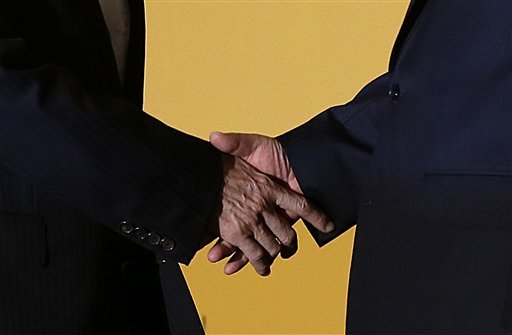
167 244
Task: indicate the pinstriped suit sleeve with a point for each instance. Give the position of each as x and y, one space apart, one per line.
103 156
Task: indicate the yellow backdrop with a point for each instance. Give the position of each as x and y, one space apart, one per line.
266 67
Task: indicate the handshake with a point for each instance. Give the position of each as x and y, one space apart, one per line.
261 200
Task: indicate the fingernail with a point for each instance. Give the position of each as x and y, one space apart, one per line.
330 227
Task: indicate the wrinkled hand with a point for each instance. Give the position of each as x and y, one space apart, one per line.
258 210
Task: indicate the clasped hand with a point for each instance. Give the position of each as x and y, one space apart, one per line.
261 200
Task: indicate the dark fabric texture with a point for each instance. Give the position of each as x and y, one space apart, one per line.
421 161
78 156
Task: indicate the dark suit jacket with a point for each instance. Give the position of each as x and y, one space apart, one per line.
98 200
421 160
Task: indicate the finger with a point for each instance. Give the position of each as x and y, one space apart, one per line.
237 262
264 236
223 249
220 250
294 202
257 256
235 144
283 231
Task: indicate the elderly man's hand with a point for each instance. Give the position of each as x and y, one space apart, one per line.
259 210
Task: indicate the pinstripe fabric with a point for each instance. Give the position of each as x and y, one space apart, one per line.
76 158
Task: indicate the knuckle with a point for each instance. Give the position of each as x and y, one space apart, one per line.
253 185
258 257
253 203
235 233
259 202
274 252
259 229
303 206
302 203
264 184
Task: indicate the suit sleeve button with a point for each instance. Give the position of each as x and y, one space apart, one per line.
140 233
153 238
126 227
167 244
394 92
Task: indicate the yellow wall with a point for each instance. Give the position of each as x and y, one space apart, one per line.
266 66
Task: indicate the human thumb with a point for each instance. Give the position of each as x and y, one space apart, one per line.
235 144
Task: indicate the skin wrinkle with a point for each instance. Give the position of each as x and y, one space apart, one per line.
247 225
258 210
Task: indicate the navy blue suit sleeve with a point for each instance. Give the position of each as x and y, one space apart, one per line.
104 156
330 153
